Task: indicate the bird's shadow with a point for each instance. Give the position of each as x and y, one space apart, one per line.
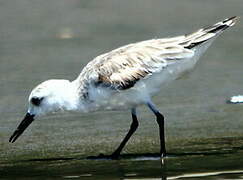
155 156
142 156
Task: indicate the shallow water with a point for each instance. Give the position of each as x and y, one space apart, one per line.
55 39
223 166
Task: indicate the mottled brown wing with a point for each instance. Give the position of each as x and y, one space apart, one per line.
122 68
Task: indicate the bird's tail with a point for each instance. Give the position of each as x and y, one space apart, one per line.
205 34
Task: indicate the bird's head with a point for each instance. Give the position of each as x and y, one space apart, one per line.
49 96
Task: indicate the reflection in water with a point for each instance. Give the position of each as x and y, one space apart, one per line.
206 174
77 176
176 167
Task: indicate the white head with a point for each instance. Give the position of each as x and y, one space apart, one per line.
49 96
52 96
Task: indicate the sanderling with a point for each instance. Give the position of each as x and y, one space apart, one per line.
123 79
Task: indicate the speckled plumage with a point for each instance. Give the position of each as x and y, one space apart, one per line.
122 68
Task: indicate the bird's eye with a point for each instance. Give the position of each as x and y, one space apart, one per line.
36 100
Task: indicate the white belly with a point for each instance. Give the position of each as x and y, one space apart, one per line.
105 98
143 90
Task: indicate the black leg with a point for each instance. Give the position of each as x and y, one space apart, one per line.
160 121
132 129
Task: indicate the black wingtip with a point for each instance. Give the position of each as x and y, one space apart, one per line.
235 18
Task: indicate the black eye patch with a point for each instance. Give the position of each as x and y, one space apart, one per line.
36 100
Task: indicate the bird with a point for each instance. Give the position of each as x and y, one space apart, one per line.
124 79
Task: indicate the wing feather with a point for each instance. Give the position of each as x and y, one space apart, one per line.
121 68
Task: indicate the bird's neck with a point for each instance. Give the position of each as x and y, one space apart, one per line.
73 98
67 97
84 103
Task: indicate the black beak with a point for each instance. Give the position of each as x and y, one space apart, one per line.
22 126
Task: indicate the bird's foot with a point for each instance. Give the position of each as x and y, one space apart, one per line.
113 156
163 155
162 158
